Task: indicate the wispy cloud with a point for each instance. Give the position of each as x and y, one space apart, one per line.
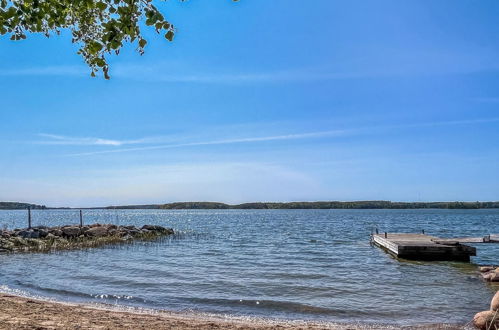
223 141
267 138
54 139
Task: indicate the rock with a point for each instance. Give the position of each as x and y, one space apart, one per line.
71 231
484 320
28 234
56 232
485 269
43 233
97 232
23 233
494 305
487 276
493 277
122 232
112 232
95 225
159 229
153 228
84 229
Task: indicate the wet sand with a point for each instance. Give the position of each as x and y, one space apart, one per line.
28 313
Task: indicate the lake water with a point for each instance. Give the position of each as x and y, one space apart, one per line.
292 264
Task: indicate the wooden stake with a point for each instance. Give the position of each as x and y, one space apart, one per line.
29 217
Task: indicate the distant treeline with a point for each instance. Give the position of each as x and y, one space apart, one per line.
317 205
282 206
20 206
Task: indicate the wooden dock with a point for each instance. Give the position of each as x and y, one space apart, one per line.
426 247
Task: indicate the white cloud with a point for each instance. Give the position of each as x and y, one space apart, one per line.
54 139
267 138
225 141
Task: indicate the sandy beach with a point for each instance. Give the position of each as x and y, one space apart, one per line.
28 313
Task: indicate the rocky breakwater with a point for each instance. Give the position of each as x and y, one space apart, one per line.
43 239
489 319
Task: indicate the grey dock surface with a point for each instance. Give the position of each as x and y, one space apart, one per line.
424 247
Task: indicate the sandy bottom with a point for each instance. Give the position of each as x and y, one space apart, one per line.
28 313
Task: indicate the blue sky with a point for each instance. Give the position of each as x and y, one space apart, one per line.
262 101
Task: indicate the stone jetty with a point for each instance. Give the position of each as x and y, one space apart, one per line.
44 239
489 319
490 273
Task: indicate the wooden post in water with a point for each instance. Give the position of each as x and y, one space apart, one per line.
81 219
423 231
29 217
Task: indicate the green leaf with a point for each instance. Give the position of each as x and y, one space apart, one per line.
169 35
101 5
142 43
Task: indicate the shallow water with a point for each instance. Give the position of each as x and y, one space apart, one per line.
293 264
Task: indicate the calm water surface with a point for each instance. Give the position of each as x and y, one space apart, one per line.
293 264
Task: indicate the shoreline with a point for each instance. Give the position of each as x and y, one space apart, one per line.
22 312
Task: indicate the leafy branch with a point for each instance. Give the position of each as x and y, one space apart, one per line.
100 27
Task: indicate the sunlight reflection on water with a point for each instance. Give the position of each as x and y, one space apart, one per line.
295 264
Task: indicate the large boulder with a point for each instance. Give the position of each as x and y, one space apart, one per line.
71 231
494 305
23 233
96 232
56 232
153 228
28 234
157 229
486 320
43 233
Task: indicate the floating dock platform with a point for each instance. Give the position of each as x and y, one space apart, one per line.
425 247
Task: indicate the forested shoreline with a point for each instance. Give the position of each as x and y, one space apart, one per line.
278 205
